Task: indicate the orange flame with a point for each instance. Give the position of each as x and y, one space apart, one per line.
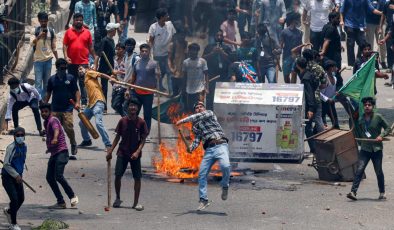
176 161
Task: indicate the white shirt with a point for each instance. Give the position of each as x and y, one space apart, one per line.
162 37
129 65
21 96
330 89
319 11
195 78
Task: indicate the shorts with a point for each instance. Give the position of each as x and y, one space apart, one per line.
121 166
288 63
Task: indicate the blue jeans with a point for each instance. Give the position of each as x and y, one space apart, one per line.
217 153
270 73
165 70
42 72
363 159
96 111
123 36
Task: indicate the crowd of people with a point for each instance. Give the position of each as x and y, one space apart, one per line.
249 41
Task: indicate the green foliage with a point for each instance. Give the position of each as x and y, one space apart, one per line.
50 224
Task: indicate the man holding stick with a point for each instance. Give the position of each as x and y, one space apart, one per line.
370 126
11 176
95 106
57 146
133 131
207 129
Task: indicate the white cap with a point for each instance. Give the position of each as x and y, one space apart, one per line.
112 26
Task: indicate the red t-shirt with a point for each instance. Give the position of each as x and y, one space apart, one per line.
78 45
132 132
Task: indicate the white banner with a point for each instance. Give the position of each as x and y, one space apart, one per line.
259 125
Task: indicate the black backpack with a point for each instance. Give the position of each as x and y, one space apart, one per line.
51 31
24 89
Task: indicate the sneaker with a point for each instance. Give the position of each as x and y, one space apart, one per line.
105 112
14 227
85 143
58 206
7 214
74 201
224 193
117 203
382 196
203 204
74 150
351 195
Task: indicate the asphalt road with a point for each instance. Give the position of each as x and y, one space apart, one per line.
283 196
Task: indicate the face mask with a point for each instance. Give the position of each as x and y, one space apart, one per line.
20 140
16 90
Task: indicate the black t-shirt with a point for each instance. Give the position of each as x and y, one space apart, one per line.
331 33
108 46
104 12
213 61
62 89
235 71
121 8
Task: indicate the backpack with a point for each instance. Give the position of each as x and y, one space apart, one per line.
248 73
24 89
318 73
51 31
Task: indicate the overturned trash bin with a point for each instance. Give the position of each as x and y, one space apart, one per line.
336 155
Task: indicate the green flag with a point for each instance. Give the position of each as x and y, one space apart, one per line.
169 110
361 84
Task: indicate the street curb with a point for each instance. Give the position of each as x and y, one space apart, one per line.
24 67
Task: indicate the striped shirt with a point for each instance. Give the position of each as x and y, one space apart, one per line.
205 127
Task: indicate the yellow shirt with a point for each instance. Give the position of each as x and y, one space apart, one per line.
93 88
43 50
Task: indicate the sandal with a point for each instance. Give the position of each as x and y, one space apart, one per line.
138 207
117 203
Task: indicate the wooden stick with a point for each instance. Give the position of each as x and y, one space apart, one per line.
24 182
107 61
370 140
142 88
214 78
184 141
109 183
158 117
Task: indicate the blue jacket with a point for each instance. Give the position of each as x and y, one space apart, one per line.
14 161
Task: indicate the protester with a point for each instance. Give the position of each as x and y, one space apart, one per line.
71 13
230 28
207 129
217 56
133 5
370 126
160 36
332 47
273 15
374 32
255 15
247 53
118 90
177 53
44 46
319 10
95 106
146 72
11 175
77 45
104 9
195 70
20 96
133 130
57 147
108 48
353 18
123 10
88 9
63 88
312 104
290 38
327 94
244 15
387 18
